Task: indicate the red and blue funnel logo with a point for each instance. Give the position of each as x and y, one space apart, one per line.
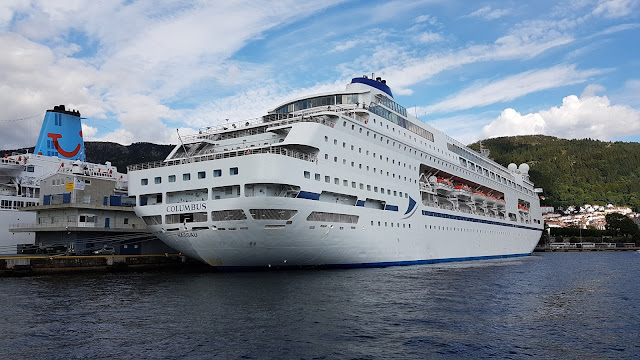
61 135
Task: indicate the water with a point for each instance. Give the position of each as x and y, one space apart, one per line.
551 305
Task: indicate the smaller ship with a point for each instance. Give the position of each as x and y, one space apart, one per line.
60 146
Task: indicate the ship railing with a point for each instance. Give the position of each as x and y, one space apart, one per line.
277 150
217 132
76 225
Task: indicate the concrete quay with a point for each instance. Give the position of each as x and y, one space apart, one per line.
18 265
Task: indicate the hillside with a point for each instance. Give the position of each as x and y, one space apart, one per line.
119 155
574 172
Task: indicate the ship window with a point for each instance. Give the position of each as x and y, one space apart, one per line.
157 180
172 178
361 186
336 181
201 175
395 192
326 156
217 172
375 189
233 171
327 179
144 181
186 177
335 141
30 169
344 144
368 187
345 182
326 138
307 175
353 184
317 177
335 159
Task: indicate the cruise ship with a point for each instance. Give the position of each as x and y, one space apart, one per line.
340 179
60 149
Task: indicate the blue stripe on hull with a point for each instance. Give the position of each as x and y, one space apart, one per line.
366 265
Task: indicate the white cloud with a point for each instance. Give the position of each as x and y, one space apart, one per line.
488 13
511 122
591 90
429 37
615 8
524 42
426 19
345 45
133 59
585 117
88 132
512 87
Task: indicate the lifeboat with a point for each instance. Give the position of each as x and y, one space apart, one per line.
442 185
463 192
478 196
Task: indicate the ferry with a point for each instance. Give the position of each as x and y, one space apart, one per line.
60 148
341 179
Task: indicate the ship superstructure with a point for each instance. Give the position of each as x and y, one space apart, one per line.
337 179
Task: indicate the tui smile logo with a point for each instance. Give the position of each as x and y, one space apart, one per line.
68 154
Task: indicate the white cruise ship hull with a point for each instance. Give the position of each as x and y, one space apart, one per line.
408 236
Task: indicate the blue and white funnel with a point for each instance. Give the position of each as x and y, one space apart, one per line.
61 135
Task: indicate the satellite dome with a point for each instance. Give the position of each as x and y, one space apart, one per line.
524 168
512 167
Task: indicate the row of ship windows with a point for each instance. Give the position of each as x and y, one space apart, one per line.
490 174
361 186
344 145
422 155
414 138
8 204
479 231
380 223
375 170
187 176
423 133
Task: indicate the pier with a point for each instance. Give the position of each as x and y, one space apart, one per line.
54 264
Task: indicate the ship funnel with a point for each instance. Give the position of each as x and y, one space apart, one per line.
61 135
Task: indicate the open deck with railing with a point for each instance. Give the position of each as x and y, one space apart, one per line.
225 155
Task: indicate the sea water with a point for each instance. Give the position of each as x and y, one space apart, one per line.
548 305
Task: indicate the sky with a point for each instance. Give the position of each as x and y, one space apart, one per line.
144 71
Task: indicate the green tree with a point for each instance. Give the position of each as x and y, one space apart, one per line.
620 225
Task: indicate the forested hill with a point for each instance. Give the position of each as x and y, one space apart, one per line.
119 155
574 172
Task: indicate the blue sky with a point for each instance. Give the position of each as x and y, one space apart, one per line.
139 70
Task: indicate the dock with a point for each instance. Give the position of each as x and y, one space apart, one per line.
20 265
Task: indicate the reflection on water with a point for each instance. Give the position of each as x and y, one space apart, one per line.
554 305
